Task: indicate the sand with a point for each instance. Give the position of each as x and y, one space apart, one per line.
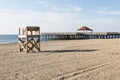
63 60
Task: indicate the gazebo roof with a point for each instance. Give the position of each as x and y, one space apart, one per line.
85 28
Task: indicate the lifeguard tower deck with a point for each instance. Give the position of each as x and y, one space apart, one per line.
29 39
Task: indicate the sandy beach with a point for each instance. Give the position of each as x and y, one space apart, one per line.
63 60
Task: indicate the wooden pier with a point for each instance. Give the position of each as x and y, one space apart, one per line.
79 35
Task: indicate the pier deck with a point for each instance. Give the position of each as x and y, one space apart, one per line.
79 35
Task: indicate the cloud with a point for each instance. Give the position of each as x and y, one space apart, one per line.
97 21
104 8
109 12
41 2
44 3
68 8
75 8
27 14
50 21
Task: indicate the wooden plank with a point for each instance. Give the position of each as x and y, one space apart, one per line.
32 28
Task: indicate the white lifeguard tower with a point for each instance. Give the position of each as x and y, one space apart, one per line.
29 38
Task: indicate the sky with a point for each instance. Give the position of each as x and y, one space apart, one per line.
59 15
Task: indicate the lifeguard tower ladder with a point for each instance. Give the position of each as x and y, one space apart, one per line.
29 39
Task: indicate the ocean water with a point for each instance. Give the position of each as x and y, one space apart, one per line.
8 39
12 39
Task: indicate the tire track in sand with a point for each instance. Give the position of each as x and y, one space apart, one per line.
86 70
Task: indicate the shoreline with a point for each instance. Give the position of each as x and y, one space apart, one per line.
58 40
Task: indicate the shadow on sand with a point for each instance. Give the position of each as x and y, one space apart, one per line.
62 51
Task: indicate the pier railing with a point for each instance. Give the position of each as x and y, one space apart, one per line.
79 35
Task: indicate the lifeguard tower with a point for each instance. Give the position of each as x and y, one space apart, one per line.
29 38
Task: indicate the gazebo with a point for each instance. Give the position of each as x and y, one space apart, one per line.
85 28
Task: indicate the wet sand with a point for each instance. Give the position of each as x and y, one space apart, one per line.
63 60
